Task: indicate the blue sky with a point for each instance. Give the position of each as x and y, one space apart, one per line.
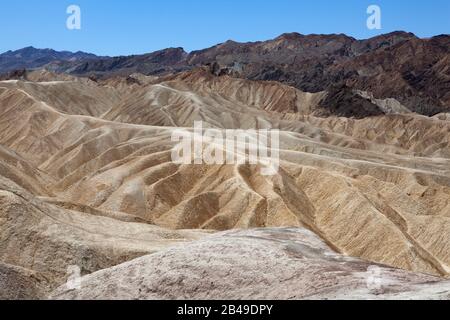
118 27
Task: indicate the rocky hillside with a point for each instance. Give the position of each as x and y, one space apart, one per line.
362 194
399 66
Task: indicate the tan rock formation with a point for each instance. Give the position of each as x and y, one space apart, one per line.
87 176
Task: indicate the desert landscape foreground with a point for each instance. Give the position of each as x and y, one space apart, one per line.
359 209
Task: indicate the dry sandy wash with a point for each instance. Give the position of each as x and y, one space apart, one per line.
86 179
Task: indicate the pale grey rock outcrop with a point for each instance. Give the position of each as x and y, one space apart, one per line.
255 264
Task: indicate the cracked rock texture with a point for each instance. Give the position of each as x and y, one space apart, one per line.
255 264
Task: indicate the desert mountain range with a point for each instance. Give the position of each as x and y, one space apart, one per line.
87 180
398 65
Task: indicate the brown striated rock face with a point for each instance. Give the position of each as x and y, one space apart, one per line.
87 180
21 284
397 65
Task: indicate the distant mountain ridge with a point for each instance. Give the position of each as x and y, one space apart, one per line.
30 58
397 65
165 61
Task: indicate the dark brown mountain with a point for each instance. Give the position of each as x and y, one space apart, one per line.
396 65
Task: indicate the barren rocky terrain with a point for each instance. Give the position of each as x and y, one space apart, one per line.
278 264
87 180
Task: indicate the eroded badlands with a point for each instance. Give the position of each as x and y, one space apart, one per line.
87 180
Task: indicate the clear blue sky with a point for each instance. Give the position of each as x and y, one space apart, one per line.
115 27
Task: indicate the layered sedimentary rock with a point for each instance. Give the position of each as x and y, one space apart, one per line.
87 179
